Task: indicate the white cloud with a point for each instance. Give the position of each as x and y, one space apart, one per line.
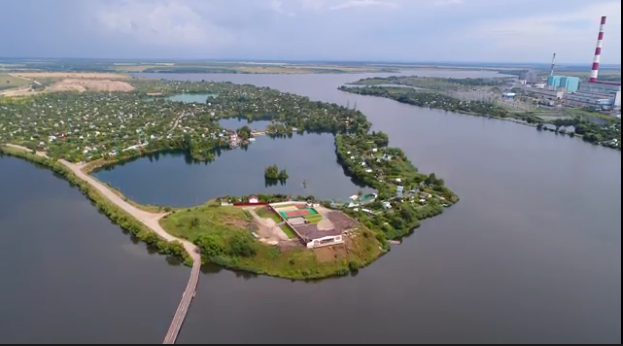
572 34
448 2
162 23
313 5
364 3
277 6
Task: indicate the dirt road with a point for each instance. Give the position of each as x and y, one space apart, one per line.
150 220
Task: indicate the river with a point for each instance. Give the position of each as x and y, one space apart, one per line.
532 253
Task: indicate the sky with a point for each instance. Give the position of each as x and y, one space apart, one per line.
351 30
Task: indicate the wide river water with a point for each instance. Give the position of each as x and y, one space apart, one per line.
532 253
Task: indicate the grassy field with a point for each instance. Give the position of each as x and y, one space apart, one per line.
9 82
288 231
190 223
224 237
267 213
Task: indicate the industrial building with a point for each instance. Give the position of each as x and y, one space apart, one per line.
564 83
595 94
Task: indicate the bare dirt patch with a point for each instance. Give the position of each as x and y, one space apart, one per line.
82 75
82 85
267 228
238 223
331 253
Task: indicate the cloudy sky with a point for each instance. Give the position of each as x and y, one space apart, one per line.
390 30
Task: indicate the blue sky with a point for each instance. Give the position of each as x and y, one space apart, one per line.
394 30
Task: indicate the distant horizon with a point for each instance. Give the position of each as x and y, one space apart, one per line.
386 31
300 61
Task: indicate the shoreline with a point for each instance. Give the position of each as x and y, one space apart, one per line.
511 118
94 191
148 219
106 199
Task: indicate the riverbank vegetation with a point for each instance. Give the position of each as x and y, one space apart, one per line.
224 235
405 196
175 250
607 134
453 84
431 99
606 131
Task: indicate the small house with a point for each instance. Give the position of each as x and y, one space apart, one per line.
254 200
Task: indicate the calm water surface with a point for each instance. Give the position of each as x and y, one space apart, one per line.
68 274
532 253
174 180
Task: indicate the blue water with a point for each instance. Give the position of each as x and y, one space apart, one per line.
173 179
235 123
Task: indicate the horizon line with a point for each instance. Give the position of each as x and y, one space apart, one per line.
386 61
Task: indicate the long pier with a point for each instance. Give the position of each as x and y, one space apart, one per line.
182 309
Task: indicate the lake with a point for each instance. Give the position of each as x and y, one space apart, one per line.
190 98
69 274
173 179
532 253
236 123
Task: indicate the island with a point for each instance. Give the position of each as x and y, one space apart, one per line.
484 97
273 173
299 238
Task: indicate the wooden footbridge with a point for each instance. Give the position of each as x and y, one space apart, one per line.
182 309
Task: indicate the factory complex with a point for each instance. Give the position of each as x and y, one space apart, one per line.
570 90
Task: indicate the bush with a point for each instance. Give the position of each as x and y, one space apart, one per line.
353 266
241 246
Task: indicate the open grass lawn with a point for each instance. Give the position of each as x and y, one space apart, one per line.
301 263
267 213
225 239
8 82
288 231
190 223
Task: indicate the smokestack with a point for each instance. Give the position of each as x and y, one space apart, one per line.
551 73
600 44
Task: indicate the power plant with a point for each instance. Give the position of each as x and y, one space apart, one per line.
593 94
596 94
600 44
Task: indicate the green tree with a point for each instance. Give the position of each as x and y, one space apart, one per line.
271 172
244 132
240 245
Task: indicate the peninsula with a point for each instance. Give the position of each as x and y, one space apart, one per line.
76 132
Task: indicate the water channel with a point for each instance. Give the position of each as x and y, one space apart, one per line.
532 253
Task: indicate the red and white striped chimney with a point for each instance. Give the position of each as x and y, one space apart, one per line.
600 44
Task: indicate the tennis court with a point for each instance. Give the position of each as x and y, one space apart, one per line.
297 213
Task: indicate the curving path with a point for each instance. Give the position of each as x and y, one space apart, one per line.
152 221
